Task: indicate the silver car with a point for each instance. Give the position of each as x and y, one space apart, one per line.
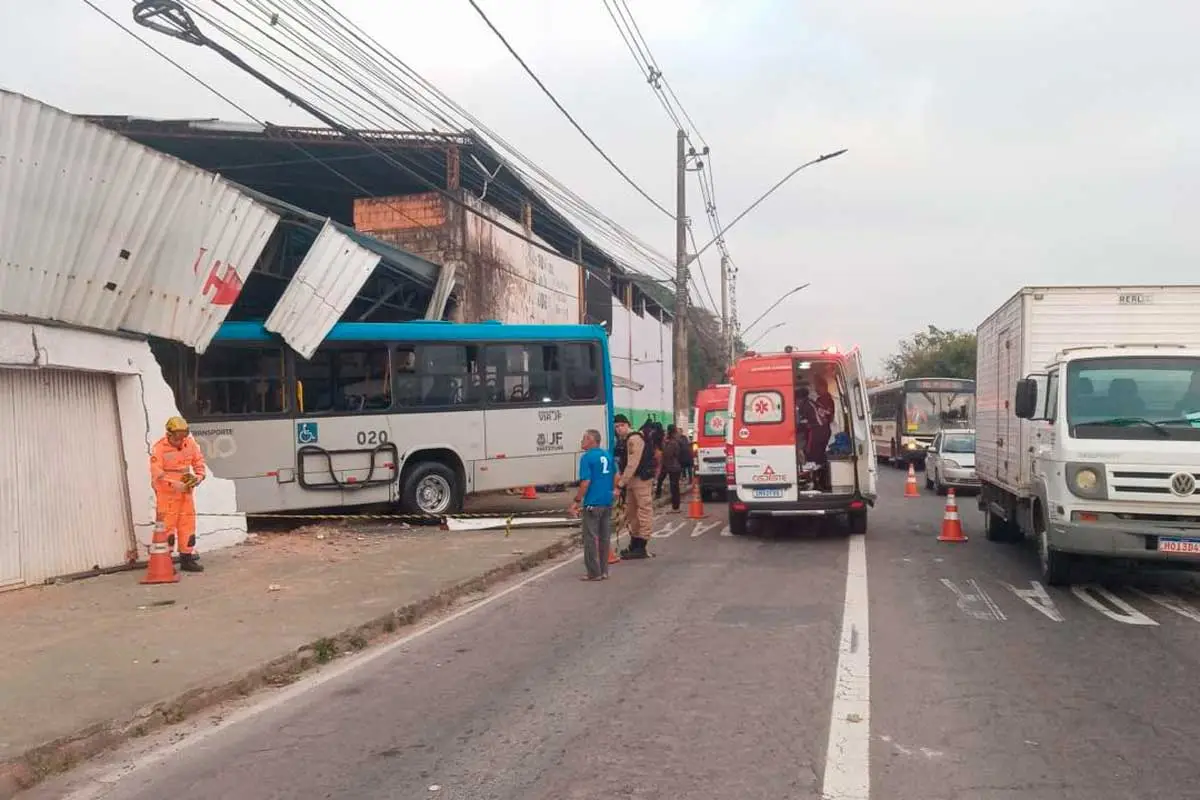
950 461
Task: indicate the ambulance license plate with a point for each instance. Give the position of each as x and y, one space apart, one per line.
1174 544
764 494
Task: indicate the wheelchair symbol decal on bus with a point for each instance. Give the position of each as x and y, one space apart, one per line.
306 433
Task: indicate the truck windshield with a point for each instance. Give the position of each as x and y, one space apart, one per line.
1134 398
927 412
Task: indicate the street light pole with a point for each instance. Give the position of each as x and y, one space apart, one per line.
758 319
759 338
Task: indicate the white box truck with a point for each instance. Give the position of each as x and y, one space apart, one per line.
1088 424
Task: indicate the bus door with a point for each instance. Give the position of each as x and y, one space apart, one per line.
345 447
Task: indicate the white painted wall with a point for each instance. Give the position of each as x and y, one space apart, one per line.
144 402
640 349
527 284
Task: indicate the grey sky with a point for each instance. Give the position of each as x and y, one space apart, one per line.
991 145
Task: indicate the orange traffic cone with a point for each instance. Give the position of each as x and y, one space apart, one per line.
951 525
530 493
161 568
910 486
696 506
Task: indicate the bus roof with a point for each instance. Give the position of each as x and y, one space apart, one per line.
423 331
916 384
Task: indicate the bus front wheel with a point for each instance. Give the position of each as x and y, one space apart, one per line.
430 488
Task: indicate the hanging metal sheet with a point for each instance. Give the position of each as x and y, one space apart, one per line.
325 283
99 231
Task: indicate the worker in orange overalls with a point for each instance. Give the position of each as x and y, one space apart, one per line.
176 469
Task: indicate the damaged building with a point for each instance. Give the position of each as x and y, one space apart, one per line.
379 183
124 242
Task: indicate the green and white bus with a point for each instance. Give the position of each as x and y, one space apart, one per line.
416 414
907 414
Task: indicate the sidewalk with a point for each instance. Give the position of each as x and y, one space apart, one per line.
92 662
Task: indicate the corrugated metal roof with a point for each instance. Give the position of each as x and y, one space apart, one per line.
99 231
325 283
422 270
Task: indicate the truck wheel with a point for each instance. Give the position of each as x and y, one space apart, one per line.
858 521
1056 565
997 529
431 488
739 522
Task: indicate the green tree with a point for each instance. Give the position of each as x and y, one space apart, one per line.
934 353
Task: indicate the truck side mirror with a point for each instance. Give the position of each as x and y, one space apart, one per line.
1025 403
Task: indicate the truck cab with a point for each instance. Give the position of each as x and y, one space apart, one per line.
775 466
708 443
1113 453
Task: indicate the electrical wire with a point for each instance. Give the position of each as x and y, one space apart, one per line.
564 111
368 51
250 116
194 37
660 77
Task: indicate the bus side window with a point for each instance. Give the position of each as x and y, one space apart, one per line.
445 374
231 380
525 373
407 381
508 372
581 363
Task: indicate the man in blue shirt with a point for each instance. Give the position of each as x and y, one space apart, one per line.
595 493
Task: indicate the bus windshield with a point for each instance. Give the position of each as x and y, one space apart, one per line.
927 412
1134 398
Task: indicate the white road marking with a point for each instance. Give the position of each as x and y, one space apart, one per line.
106 781
701 530
669 529
975 603
1172 602
725 531
1040 599
928 752
1091 594
848 757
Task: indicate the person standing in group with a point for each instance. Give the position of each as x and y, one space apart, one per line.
635 462
176 468
672 464
821 430
595 494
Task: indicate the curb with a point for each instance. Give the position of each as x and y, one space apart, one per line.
41 762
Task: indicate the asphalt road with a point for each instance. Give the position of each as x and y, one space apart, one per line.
722 669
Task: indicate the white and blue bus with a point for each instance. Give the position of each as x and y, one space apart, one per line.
907 414
416 414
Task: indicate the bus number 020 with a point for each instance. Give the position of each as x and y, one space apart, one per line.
372 437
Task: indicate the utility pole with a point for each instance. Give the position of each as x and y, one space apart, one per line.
679 329
726 339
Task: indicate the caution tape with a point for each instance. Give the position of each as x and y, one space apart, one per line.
559 512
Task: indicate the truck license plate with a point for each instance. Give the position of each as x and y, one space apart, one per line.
766 493
1172 544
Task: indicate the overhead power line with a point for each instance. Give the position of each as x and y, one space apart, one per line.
328 37
656 75
564 111
185 30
